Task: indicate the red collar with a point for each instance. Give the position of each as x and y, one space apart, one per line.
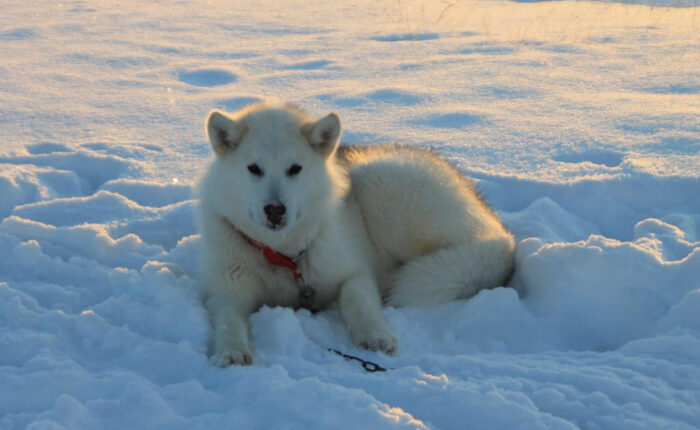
306 293
274 257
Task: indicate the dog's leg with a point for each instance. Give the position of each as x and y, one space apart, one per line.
361 307
450 273
229 311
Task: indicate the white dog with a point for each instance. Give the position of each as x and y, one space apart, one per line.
290 219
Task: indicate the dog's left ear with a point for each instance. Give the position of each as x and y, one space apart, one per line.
324 134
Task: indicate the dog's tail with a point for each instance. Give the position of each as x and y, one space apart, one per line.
457 272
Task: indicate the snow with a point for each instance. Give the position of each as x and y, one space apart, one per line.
578 120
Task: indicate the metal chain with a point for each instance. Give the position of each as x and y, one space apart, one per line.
369 366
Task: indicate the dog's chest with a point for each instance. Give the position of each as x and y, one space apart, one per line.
282 289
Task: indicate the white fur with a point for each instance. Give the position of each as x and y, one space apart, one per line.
373 222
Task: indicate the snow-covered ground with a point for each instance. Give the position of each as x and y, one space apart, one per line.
580 122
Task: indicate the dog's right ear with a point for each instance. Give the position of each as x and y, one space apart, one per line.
224 132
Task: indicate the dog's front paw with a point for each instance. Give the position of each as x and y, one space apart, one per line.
226 356
375 339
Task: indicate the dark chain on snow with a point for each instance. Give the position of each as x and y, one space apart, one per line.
369 366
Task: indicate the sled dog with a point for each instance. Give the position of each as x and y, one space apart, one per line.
290 218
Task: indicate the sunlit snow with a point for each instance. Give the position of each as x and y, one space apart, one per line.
580 122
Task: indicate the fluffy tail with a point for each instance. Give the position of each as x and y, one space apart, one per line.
450 273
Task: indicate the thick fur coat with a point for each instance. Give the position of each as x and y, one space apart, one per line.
364 225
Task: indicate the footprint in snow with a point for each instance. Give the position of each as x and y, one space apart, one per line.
394 96
46 148
405 37
486 50
307 65
390 96
600 157
454 120
206 77
18 34
678 88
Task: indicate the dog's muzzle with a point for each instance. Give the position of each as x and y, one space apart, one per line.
275 213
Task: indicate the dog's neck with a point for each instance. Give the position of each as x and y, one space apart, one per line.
273 256
294 244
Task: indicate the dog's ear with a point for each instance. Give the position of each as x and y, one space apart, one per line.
324 134
224 132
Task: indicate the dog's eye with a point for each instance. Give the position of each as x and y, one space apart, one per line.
255 169
295 169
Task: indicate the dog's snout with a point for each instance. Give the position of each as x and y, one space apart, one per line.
275 212
275 209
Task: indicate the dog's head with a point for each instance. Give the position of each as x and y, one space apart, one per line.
274 170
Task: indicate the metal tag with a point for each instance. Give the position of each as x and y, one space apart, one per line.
306 294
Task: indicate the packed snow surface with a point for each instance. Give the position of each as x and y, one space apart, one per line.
579 122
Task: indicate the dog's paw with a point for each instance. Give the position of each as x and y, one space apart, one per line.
242 356
375 340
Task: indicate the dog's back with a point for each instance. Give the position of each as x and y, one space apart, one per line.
435 239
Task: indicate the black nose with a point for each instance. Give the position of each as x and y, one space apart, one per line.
275 212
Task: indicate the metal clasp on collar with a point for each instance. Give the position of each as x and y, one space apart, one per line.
306 293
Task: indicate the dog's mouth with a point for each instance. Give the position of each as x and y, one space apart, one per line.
275 224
